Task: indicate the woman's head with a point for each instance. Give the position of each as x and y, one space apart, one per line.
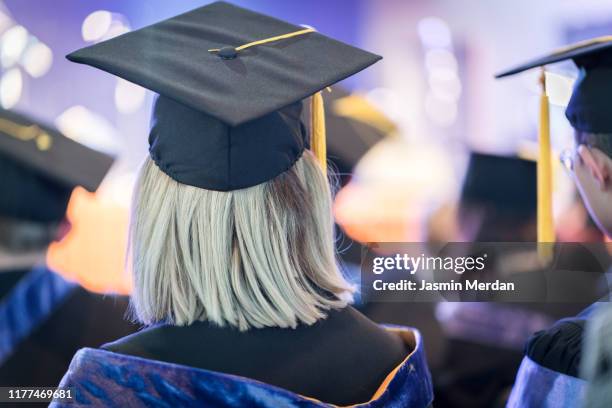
257 257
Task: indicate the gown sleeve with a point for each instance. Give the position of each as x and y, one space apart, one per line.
559 347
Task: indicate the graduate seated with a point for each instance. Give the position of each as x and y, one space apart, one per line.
549 375
498 199
485 339
44 319
498 205
232 248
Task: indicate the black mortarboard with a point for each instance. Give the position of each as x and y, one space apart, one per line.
354 125
40 167
588 109
231 82
505 183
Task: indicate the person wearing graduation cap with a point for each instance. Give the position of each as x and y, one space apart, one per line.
497 212
231 237
353 126
500 208
497 204
549 373
44 319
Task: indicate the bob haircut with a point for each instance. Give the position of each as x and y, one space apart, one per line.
262 256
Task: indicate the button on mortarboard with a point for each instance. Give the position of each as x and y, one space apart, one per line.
227 53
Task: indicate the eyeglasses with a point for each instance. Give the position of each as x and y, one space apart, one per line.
567 158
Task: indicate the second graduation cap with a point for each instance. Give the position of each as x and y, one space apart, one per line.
231 84
40 167
508 183
587 110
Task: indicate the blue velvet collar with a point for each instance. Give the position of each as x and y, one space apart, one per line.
29 304
106 379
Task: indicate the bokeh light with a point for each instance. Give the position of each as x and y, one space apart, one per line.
434 33
440 58
444 84
12 44
96 25
88 128
440 111
129 97
11 88
559 88
103 25
37 59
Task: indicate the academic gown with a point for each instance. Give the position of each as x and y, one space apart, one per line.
102 377
45 319
485 340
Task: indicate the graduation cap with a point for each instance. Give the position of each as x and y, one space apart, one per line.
354 125
588 110
507 183
230 83
40 167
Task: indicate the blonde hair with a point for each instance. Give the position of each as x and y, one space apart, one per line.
262 256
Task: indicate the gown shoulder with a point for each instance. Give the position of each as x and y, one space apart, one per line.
50 319
558 348
336 361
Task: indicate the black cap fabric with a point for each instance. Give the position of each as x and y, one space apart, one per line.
236 94
507 183
26 195
588 108
196 149
40 167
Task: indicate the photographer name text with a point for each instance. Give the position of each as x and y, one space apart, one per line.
423 285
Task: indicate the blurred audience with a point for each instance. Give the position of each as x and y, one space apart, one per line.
44 319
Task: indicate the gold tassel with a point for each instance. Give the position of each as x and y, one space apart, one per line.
546 233
269 40
318 143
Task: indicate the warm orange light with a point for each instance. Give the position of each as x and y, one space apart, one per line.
369 213
93 252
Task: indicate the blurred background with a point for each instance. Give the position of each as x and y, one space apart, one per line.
435 81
